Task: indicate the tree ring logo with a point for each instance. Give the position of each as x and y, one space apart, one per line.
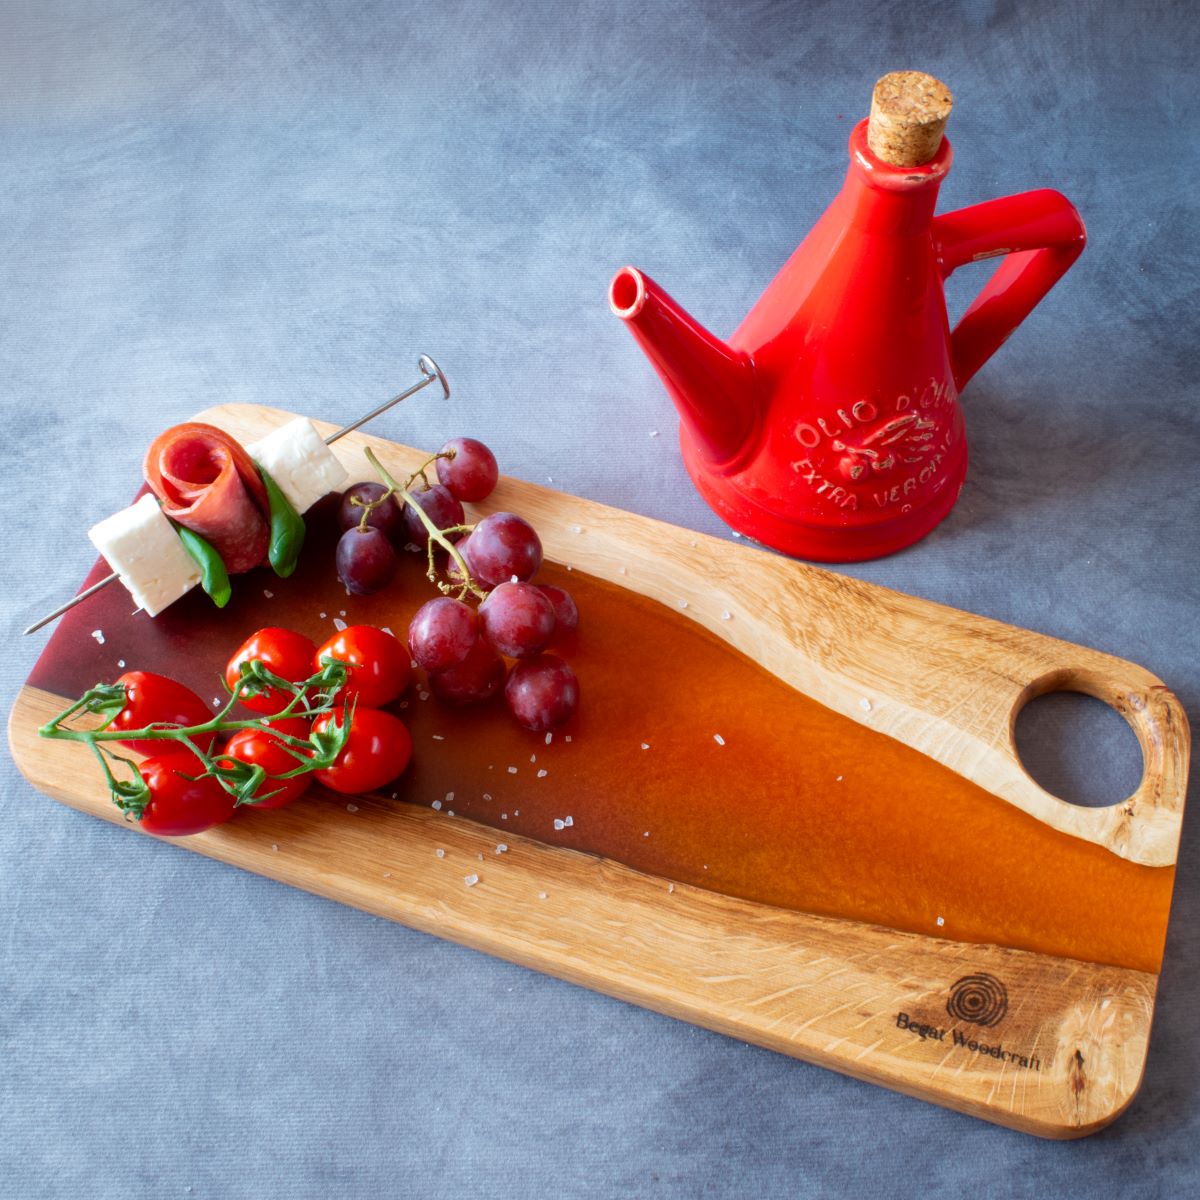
980 999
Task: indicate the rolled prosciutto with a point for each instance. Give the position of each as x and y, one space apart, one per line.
208 483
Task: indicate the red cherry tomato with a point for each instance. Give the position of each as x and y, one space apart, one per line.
180 806
262 748
150 698
285 652
377 750
379 664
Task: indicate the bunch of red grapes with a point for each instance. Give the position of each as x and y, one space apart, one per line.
464 648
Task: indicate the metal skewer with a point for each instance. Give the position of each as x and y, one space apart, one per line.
430 371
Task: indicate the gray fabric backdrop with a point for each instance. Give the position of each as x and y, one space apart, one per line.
285 202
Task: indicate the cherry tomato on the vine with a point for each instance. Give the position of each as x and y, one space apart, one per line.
379 665
287 653
262 748
377 750
150 698
177 805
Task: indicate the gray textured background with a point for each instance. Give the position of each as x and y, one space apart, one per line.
287 202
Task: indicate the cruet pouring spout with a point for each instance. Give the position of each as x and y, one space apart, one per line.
711 384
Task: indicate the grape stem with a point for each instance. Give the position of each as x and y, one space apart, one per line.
312 697
468 587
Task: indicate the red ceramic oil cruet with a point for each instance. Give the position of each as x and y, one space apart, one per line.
828 426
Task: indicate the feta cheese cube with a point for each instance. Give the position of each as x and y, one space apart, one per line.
295 456
141 545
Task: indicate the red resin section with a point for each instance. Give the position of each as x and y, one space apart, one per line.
687 761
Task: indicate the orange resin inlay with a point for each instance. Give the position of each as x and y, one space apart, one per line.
690 762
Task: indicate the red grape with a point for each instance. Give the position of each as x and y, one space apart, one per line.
477 678
385 518
566 614
542 692
439 506
366 561
442 633
504 545
472 473
517 619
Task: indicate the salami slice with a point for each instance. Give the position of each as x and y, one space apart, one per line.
207 482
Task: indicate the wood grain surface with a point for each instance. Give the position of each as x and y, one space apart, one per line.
1051 1046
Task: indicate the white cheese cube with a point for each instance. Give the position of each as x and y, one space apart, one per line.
295 456
141 545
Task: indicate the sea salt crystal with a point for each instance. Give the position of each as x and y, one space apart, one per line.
683 604
470 880
516 812
567 738
341 612
338 623
352 808
533 758
98 634
542 895
718 739
727 615
449 812
449 797
549 478
645 745
512 770
437 737
387 874
654 433
436 806
646 834
422 695
670 887
487 795
549 736
542 773
576 528
501 847
403 703
865 704
270 595
324 615
275 846
622 571
559 823
941 920
387 629
120 662
216 702
839 779
735 533
480 856
440 853
504 816
566 820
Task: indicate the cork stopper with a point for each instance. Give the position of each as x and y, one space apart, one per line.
909 110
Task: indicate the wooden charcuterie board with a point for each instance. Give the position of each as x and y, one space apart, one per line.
1053 1043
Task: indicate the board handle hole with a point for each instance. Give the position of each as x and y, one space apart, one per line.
1077 746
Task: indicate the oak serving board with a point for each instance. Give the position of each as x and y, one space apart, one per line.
1047 1043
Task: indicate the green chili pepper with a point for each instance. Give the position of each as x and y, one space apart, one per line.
214 579
287 530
